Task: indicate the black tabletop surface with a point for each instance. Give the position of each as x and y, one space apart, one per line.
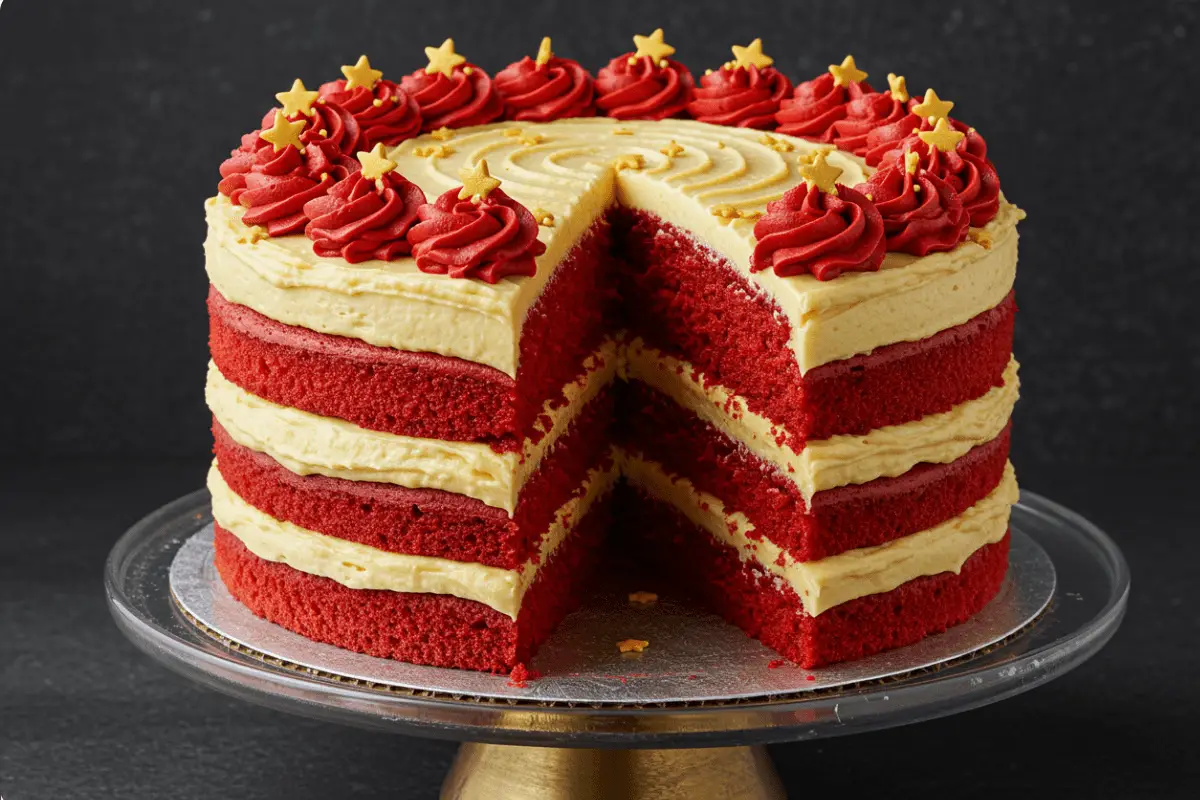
84 714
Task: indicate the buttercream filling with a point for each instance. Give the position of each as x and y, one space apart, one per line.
820 585
829 582
358 566
567 168
839 460
309 444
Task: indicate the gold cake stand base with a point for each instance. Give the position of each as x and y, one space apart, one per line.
504 772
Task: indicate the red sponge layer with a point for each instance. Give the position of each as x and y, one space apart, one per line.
906 381
427 522
686 299
750 597
441 630
845 518
423 394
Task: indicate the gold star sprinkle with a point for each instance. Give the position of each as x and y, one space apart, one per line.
632 645
297 100
622 132
653 46
512 131
531 139
374 163
443 59
912 159
433 151
543 217
932 107
980 238
724 213
898 87
820 174
751 56
943 137
643 598
632 161
846 73
283 133
778 145
442 134
477 183
672 149
361 74
544 53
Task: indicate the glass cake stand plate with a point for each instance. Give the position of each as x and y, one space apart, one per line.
603 724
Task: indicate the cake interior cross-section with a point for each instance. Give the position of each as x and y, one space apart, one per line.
472 333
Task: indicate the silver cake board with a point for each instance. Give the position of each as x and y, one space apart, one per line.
693 656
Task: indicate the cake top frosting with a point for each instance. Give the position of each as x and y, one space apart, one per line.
363 110
298 214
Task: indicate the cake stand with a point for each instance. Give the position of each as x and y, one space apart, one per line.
688 717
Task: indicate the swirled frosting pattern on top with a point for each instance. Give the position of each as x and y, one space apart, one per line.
712 181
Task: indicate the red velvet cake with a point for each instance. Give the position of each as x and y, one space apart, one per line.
442 362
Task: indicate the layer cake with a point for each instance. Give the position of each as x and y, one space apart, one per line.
769 348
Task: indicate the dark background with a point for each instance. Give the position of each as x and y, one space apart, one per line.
113 119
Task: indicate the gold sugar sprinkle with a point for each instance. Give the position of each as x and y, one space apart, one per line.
672 149
980 238
631 161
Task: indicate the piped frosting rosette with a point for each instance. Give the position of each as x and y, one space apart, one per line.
645 84
921 213
817 104
546 88
820 228
367 215
382 111
452 93
476 231
744 97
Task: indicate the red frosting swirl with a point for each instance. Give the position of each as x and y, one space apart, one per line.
643 89
972 177
358 220
486 240
921 213
744 97
233 169
328 139
808 230
392 120
535 92
864 115
815 105
884 139
467 97
277 187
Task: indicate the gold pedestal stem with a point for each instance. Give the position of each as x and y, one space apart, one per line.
504 772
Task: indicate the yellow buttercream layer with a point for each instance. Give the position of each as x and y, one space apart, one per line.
358 566
309 444
829 582
566 168
839 460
